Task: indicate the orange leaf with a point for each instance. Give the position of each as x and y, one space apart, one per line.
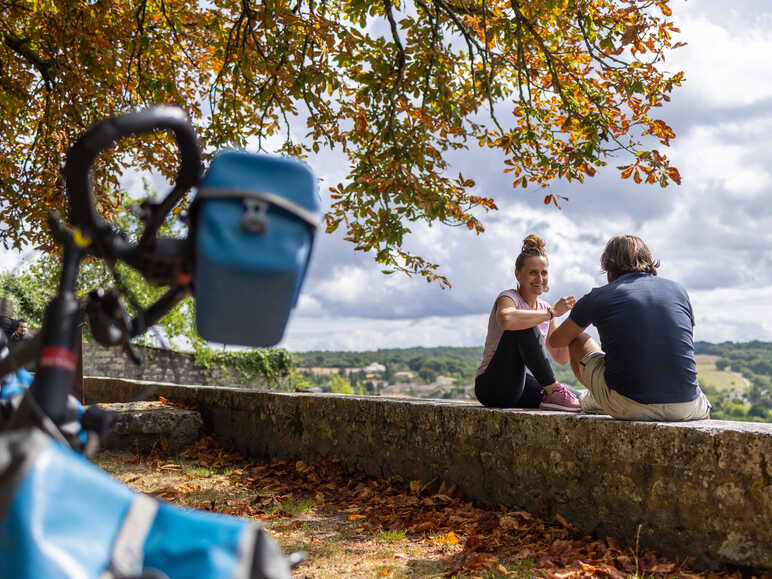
448 539
356 517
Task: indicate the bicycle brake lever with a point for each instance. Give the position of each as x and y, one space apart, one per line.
108 319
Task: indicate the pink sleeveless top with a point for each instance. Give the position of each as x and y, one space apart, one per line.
494 331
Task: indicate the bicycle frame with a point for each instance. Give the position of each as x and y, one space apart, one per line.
46 405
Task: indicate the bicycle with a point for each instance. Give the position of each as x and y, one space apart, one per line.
250 203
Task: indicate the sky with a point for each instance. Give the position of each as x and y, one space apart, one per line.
712 234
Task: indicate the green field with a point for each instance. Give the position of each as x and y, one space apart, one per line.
709 375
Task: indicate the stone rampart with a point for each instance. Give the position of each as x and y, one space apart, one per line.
161 366
701 489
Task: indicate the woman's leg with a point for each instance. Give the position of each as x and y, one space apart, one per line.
503 382
533 393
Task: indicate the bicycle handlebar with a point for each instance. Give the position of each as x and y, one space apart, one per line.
102 136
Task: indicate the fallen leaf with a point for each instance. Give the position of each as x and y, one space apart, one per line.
170 466
481 562
447 539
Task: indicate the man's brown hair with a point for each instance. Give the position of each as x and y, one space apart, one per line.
628 254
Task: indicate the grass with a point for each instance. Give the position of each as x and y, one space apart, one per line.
198 471
720 379
523 569
709 375
391 536
291 506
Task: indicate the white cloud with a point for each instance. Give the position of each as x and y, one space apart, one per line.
726 59
711 157
733 314
352 333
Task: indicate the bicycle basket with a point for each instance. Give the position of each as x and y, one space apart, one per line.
254 222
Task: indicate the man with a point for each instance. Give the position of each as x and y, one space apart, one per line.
20 335
644 368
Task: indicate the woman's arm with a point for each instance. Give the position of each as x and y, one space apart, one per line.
509 317
559 354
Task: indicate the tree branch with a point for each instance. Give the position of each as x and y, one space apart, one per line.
21 47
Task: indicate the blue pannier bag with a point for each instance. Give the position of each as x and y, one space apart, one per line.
60 516
254 220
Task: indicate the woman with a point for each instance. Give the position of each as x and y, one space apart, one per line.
515 372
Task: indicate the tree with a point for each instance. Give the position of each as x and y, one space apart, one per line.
556 85
340 385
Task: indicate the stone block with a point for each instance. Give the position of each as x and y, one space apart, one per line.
141 425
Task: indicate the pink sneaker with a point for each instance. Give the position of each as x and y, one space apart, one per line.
561 398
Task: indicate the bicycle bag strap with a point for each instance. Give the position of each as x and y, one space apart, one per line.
256 206
128 554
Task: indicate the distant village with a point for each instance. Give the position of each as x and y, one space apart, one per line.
376 379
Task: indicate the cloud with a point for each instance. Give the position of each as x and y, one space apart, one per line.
353 333
733 314
726 57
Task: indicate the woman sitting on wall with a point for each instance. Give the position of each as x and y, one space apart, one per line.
515 372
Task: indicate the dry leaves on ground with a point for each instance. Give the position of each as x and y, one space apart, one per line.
476 541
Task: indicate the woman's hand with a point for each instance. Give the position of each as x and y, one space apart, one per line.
563 305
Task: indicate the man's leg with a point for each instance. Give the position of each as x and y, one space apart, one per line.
579 349
582 345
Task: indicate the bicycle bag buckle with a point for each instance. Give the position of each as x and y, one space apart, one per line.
255 219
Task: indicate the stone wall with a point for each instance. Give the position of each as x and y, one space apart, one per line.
701 489
161 366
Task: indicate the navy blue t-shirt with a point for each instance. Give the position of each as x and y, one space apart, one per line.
645 328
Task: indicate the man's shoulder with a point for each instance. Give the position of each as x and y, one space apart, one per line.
665 284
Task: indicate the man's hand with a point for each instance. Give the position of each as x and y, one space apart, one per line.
563 305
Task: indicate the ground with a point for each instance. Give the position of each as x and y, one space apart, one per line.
352 525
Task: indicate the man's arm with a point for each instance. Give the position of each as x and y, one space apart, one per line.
560 355
565 334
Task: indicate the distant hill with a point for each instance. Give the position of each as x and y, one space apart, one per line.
752 361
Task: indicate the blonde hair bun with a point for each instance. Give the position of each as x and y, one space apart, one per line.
533 245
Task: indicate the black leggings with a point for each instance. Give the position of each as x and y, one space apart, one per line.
505 383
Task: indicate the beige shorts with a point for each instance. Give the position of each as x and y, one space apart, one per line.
600 399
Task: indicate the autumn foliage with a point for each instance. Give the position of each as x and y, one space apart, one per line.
555 86
476 540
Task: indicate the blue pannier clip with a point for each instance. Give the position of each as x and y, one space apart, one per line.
254 222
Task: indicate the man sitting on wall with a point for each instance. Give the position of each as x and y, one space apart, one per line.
644 367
